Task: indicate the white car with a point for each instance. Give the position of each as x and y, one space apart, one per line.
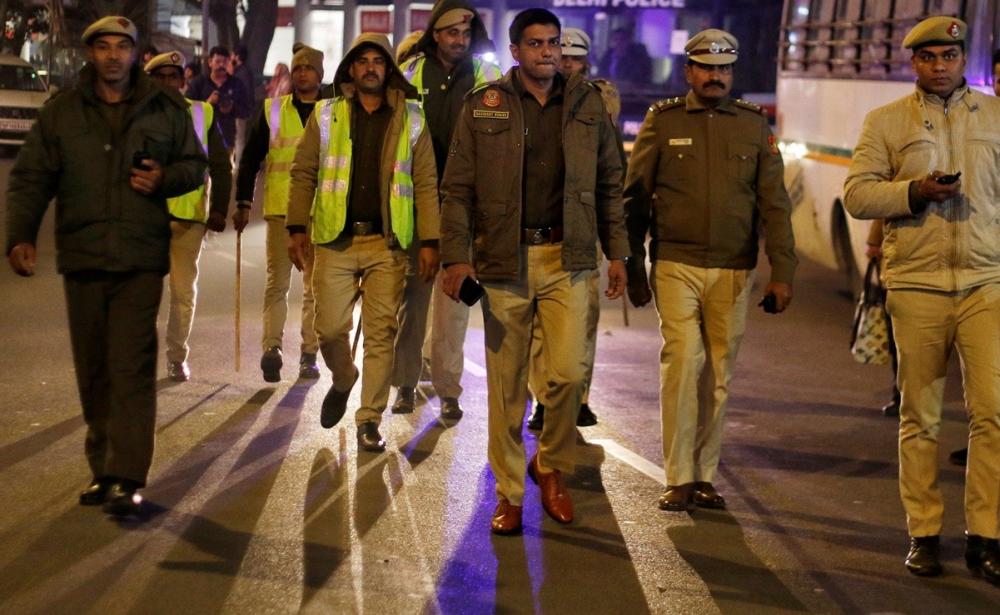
22 94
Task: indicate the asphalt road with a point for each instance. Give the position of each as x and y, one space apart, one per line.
252 507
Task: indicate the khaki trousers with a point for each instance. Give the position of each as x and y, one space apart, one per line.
536 369
279 277
702 319
926 326
185 250
344 270
449 322
553 296
413 310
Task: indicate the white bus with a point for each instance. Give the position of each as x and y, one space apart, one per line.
838 60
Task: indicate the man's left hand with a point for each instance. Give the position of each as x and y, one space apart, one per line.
429 260
146 181
617 279
782 294
216 222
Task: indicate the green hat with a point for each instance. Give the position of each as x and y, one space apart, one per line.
112 24
936 31
169 58
712 46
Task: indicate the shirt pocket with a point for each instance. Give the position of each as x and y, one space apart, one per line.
496 170
678 164
742 162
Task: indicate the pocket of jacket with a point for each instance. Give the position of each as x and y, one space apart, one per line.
677 164
917 156
586 125
743 162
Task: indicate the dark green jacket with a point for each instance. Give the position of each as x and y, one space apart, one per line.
699 182
481 191
73 155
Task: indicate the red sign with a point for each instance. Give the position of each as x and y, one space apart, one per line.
376 20
419 19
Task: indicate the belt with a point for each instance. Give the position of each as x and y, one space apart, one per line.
539 236
363 228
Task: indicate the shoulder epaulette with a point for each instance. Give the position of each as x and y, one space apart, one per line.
667 103
746 104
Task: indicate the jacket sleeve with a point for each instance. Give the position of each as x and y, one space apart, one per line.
610 208
186 169
220 170
775 208
458 192
254 153
869 191
425 192
305 170
32 185
639 184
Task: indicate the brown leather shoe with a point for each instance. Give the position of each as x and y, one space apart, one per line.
555 496
705 496
677 498
506 519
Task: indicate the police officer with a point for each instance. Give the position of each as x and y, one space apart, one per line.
443 67
273 136
942 272
113 238
189 216
704 171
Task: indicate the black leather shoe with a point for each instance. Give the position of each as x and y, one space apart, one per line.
982 556
335 404
705 496
369 439
122 499
586 418
406 400
891 408
307 366
923 559
537 419
677 498
959 457
96 492
450 409
270 364
178 371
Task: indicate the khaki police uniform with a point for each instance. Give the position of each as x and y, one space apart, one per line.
942 271
701 179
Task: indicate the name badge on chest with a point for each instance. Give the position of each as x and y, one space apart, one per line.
490 114
686 141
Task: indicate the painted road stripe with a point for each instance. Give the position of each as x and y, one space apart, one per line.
474 368
635 460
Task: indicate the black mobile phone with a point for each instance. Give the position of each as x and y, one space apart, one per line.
470 292
138 158
769 303
948 179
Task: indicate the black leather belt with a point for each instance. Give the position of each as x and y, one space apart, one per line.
364 228
539 236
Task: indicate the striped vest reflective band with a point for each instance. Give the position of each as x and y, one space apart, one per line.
286 129
329 209
483 72
191 206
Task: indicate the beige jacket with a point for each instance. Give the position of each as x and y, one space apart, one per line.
950 246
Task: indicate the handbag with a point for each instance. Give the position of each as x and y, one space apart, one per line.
870 336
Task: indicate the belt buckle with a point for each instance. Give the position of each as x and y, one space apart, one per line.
362 228
537 237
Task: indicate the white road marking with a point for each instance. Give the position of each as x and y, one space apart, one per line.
633 459
474 368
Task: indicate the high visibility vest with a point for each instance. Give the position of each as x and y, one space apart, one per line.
329 208
191 206
482 71
286 129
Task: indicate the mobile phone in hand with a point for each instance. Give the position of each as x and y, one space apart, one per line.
948 179
138 160
470 292
769 303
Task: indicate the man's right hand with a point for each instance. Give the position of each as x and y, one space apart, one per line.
454 275
22 259
639 292
298 249
930 190
241 217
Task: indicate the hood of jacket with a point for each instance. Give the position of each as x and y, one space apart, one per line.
481 42
394 79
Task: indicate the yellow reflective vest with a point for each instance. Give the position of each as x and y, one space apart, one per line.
192 206
482 71
286 129
329 208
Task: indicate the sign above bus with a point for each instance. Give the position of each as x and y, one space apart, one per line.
634 4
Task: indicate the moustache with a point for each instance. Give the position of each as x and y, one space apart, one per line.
715 83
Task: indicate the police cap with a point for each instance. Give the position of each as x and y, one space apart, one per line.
712 46
112 24
575 42
936 31
169 58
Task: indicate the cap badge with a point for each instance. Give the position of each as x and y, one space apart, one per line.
124 22
175 58
715 47
953 30
491 98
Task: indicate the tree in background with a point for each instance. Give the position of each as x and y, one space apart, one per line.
260 19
